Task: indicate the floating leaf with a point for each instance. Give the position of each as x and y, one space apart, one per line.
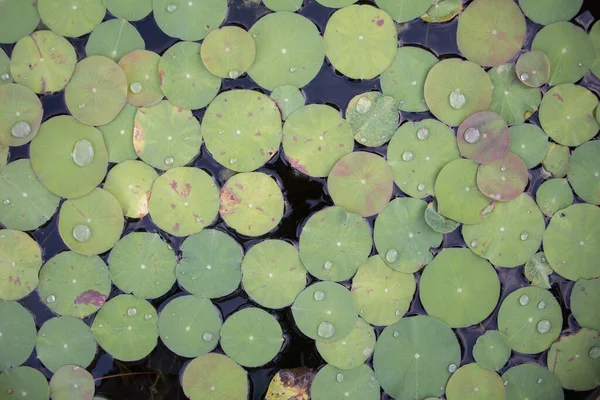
113 39
189 20
72 18
532 381
413 358
288 99
353 350
437 221
529 143
575 361
284 5
72 382
5 75
594 35
228 52
472 382
381 294
118 135
3 156
20 115
537 270
553 11
533 68
553 196
491 351
17 19
18 334
584 298
21 262
443 11
373 117
483 137
131 10
557 160
404 10
356 384
290 383
26 380
584 172
504 179
141 69
459 288
130 183
336 3
214 377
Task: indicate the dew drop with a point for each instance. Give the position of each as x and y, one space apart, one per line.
524 236
420 187
293 69
452 368
503 168
82 233
328 265
148 317
473 243
423 134
131 311
319 295
457 99
50 299
540 380
339 377
136 87
524 76
20 129
524 300
6 202
544 326
325 330
472 135
594 352
397 313
541 305
171 8
391 255
396 333
232 161
4 76
83 153
408 156
82 105
207 336
363 105
505 383
169 160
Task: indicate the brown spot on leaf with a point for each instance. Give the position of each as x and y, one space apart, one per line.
219 115
341 169
229 201
173 185
176 227
91 297
558 97
380 22
296 164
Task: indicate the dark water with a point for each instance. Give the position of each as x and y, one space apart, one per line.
157 376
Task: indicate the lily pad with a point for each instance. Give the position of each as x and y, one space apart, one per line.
20 115
26 203
283 5
113 39
557 160
553 196
242 129
124 330
504 179
44 62
251 337
189 326
571 242
178 147
361 41
336 3
567 114
457 193
537 271
471 382
251 203
72 382
483 137
130 183
594 35
72 18
5 76
510 235
189 20
529 143
491 351
91 224
288 99
584 172
131 10
141 70
459 288
550 12
184 201
228 52
404 80
533 68
404 10
214 376
142 264
437 221
443 11
532 381
288 383
531 318
413 358
281 58
356 384
17 19
65 341
272 273
574 360
118 135
184 79
456 89
584 298
511 99
3 156
315 137
97 91
568 48
361 183
417 153
74 285
373 117
353 350
381 294
21 261
26 380
324 311
215 258
402 237
18 334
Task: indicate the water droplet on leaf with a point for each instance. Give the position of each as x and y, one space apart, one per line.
233 74
420 187
524 236
131 311
169 160
544 326
408 156
541 305
82 233
136 87
524 76
594 352
422 134
391 255
472 135
524 300
171 8
457 99
328 265
20 129
50 299
339 377
207 336
83 153
452 368
325 330
4 76
148 317
396 333
319 295
363 105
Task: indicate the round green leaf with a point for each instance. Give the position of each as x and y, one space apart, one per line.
143 81
361 41
584 298
17 19
532 381
554 195
584 172
72 18
459 288
443 11
20 115
529 143
25 381
361 183
413 358
189 326
213 257
214 377
272 273
404 80
531 318
324 311
557 160
65 341
404 10
251 203
189 20
126 327
5 75
510 235
72 382
483 137
18 334
533 68
574 360
21 261
288 99
184 200
472 382
283 5
381 294
228 52
402 237
504 179
491 351
537 271
242 129
184 79
336 3
118 135
251 337
281 58
130 183
131 10
456 89
570 242
3 156
417 153
550 11
437 221
113 39
595 38
315 137
47 76
356 384
353 350
91 224
373 117
74 285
